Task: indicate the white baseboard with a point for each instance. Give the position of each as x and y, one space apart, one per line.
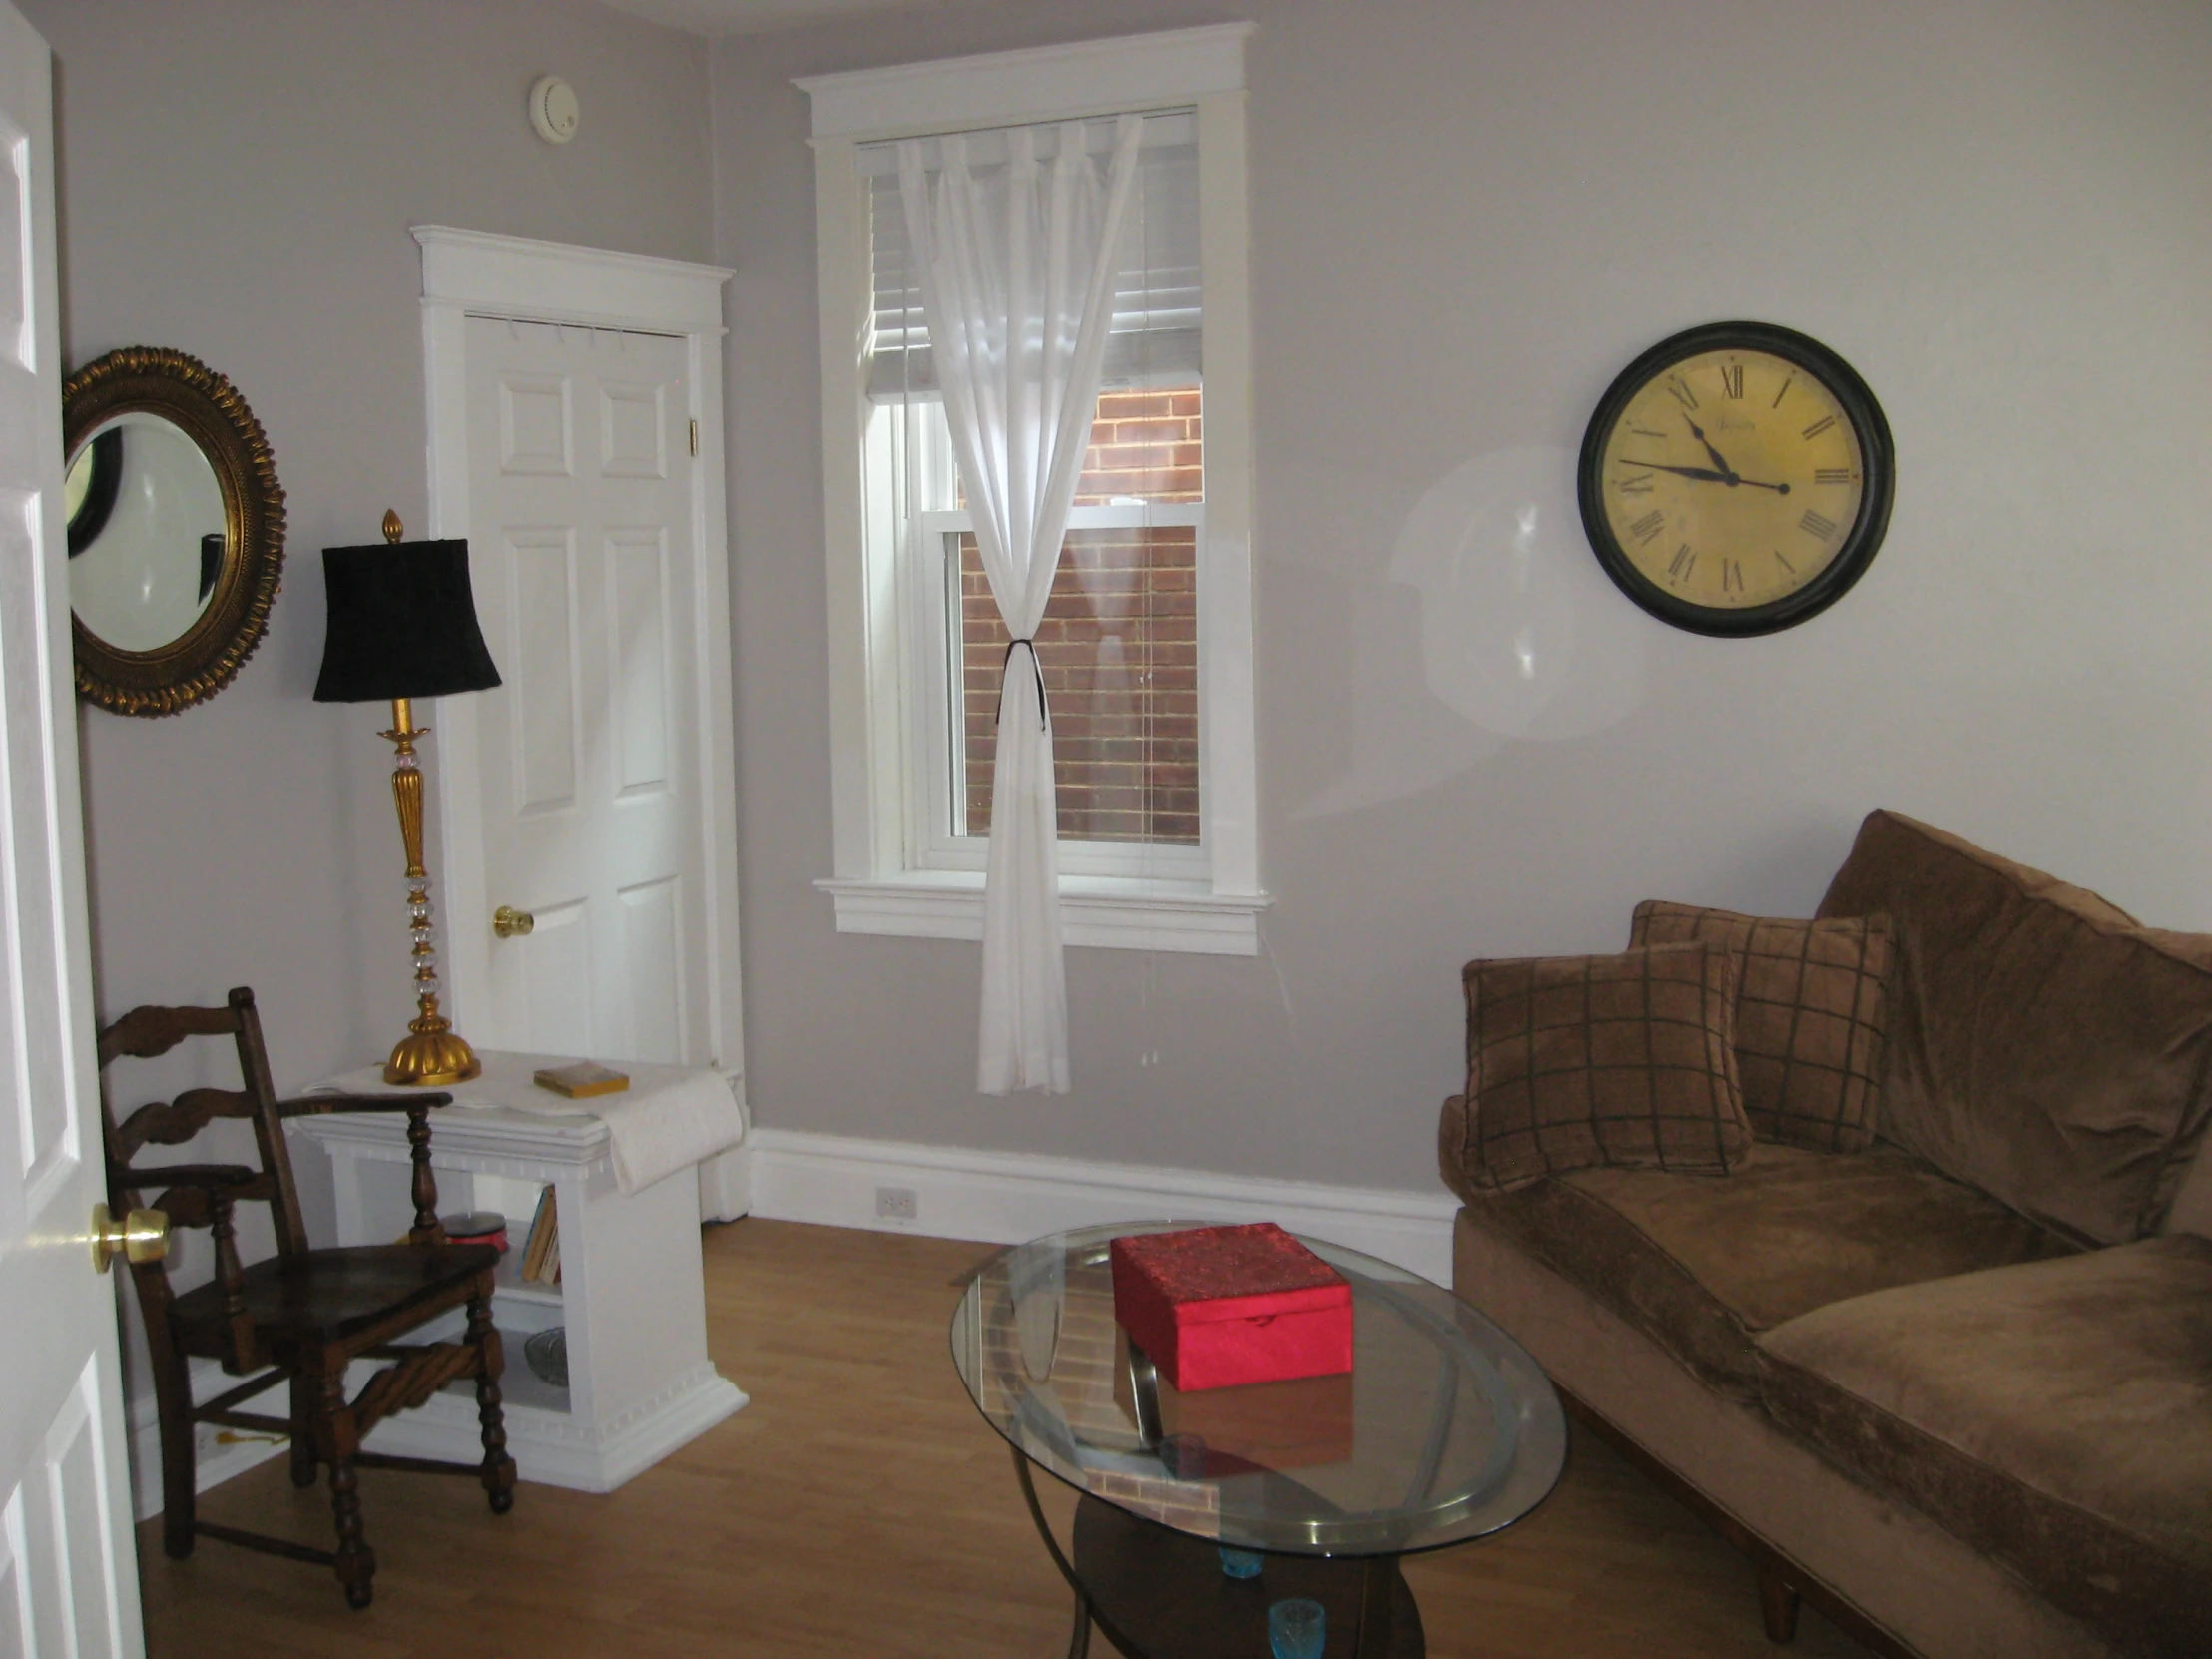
214 1461
1007 1197
553 1449
547 1447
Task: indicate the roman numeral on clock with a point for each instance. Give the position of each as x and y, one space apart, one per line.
1783 392
1682 393
1818 427
1731 576
1832 475
1813 526
1732 380
1684 562
1638 484
1648 526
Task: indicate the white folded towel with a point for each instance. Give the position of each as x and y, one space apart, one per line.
669 1119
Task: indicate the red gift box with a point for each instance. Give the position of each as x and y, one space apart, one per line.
1214 1307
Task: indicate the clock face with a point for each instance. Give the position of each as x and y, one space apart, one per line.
1736 479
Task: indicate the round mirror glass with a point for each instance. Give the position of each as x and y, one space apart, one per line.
146 532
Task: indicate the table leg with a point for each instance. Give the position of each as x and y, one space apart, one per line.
1079 1640
1377 1592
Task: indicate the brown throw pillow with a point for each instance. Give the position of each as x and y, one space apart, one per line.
1574 1061
1811 1009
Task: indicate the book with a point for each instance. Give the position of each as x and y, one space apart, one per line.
582 1080
541 1255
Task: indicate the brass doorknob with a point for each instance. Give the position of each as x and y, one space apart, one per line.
142 1236
509 922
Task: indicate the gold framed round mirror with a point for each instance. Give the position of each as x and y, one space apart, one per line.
175 529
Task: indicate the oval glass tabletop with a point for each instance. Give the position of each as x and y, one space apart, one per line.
1445 1428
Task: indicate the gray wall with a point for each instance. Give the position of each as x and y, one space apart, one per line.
1466 218
236 181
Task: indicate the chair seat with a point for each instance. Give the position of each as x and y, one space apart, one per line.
330 1295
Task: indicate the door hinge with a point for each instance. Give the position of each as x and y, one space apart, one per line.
695 438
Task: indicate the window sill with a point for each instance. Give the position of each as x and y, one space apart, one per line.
1112 912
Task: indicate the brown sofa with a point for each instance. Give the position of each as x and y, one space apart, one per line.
1955 1390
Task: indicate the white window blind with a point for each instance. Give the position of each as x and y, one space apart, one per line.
1155 338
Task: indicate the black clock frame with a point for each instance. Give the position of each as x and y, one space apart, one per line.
1877 464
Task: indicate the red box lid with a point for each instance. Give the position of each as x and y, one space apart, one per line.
1226 1273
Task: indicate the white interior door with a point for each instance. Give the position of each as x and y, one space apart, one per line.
580 535
68 1573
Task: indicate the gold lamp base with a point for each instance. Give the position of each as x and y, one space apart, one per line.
431 1055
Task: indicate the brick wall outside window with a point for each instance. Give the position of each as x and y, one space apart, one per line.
1119 641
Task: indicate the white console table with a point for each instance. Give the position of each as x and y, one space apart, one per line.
632 1292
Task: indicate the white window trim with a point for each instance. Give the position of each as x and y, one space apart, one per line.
883 882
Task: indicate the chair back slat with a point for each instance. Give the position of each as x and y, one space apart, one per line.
171 1123
188 1206
147 1031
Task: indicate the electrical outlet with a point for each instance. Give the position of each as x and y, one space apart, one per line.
897 1204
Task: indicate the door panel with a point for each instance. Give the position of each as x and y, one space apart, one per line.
580 525
557 980
652 968
541 642
68 1580
633 430
536 439
636 582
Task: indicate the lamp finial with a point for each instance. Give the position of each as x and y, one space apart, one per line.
393 530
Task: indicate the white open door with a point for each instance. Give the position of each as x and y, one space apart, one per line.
576 441
580 543
67 1572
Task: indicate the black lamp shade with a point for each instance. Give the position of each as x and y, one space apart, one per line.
403 624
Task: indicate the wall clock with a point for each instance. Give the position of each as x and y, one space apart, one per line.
1736 478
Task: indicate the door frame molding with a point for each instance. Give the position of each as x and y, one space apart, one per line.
469 274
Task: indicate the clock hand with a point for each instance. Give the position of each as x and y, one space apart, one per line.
1705 474
1698 432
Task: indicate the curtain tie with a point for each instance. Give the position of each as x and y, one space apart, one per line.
1007 661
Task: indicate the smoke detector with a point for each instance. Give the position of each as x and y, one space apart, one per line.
553 109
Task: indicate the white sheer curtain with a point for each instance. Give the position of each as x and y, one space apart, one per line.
1017 271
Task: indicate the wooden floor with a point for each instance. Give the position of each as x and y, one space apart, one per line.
859 1507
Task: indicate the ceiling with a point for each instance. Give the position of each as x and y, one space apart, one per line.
745 17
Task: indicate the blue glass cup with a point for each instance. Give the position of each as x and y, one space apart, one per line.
1241 1563
1297 1628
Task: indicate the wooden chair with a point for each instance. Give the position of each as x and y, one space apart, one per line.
303 1316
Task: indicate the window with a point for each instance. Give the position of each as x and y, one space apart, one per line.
1146 645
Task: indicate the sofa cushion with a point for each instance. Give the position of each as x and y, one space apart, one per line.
2041 1045
2056 1414
1574 1061
1701 1264
2192 1206
1808 1016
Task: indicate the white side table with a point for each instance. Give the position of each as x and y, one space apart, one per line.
632 1291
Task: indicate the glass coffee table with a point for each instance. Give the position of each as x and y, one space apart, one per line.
1445 1430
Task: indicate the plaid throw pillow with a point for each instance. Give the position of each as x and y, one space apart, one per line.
1810 1014
1574 1061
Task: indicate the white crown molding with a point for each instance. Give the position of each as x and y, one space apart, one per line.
519 276
1008 1198
1041 83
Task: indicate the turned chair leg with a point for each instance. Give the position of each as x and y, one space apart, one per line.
498 1473
302 1432
356 1562
173 1394
1778 1604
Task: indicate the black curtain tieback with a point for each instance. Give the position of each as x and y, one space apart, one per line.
1005 662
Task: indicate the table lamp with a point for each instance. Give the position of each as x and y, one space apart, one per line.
403 625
